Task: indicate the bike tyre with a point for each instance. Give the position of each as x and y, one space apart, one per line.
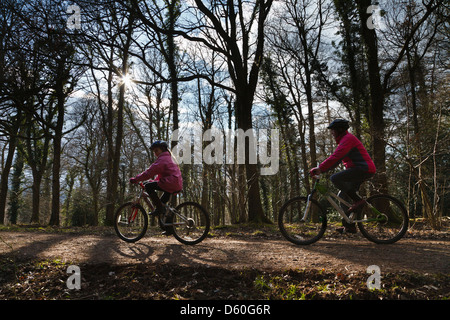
206 220
298 241
403 214
141 212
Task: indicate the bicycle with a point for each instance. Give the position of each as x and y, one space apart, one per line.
190 220
302 220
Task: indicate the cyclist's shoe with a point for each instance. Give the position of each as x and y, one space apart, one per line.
344 230
357 205
167 232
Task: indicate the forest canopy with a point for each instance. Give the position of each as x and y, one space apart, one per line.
88 85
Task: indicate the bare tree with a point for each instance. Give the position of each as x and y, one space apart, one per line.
295 48
379 82
235 30
107 44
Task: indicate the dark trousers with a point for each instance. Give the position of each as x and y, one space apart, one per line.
151 188
348 182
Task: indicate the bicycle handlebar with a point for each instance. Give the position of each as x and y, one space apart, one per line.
139 183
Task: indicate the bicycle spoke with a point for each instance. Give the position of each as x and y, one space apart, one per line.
300 226
131 222
383 220
190 223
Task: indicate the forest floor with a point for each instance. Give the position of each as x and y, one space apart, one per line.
233 263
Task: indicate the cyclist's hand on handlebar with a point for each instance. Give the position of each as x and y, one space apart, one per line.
314 172
133 180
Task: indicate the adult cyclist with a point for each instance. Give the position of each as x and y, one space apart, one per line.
359 167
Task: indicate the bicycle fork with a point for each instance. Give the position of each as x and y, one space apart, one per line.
306 214
307 209
133 215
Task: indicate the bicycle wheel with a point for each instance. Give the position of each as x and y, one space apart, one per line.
384 221
131 222
190 223
295 228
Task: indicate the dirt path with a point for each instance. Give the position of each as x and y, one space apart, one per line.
265 253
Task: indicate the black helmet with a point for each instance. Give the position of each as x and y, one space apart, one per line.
159 144
339 124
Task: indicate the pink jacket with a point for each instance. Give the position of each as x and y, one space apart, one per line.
167 172
351 152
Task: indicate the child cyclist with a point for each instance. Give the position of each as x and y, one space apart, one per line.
168 178
359 167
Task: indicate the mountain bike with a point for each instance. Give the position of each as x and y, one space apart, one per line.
189 220
383 219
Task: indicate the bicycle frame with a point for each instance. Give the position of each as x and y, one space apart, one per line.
143 195
323 190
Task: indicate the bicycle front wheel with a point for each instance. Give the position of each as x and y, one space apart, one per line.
299 228
383 220
190 223
131 222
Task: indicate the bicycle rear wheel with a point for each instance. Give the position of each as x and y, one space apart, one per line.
131 222
190 223
295 228
384 221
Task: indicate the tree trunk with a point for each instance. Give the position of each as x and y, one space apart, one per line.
309 99
15 187
244 120
114 149
114 160
377 98
5 176
110 191
173 13
57 149
35 201
37 159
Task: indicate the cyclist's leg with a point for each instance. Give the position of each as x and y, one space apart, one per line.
349 181
169 216
160 203
344 196
346 181
165 197
151 188
349 227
